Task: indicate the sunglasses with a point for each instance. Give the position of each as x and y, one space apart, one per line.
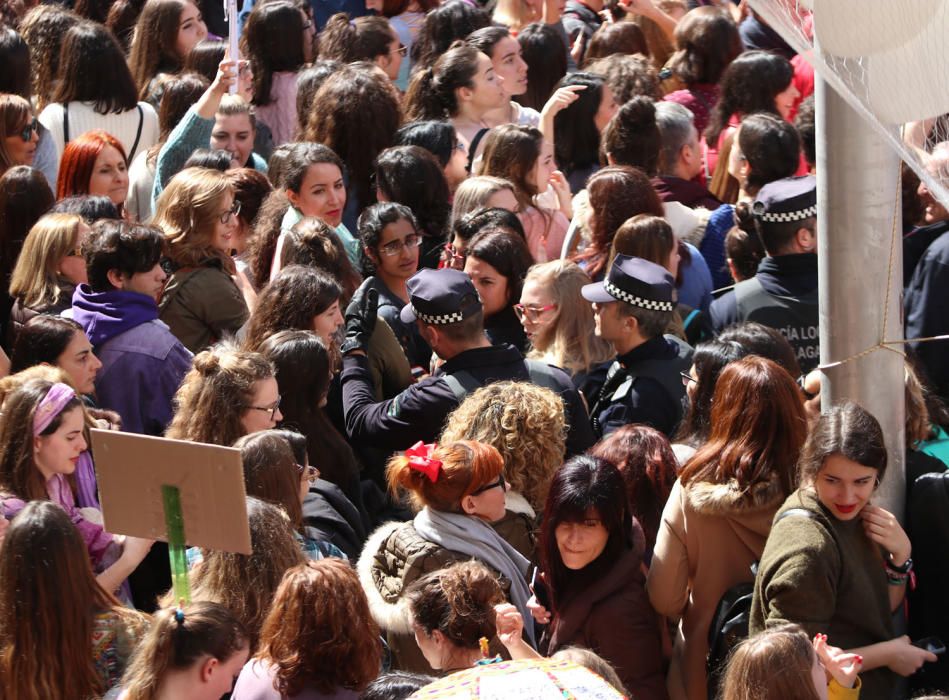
493 485
27 133
531 313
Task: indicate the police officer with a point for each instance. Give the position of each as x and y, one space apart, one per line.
632 307
783 294
447 309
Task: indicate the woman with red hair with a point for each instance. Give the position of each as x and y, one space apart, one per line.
94 163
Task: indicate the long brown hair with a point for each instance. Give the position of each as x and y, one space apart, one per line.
48 598
19 474
214 395
758 427
177 644
319 632
153 42
271 473
617 193
244 584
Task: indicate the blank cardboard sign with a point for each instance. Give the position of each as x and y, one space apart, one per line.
131 469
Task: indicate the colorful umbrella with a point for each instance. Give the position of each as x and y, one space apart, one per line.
529 679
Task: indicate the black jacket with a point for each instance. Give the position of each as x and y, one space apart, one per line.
926 306
419 412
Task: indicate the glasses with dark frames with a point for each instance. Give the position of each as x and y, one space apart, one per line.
493 485
270 410
27 132
233 211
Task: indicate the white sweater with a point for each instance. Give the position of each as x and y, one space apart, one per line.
83 118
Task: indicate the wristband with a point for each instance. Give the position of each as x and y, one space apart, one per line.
905 568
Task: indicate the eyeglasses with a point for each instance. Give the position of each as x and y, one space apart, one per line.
687 378
402 50
410 242
27 133
531 313
493 485
311 474
452 258
233 211
271 409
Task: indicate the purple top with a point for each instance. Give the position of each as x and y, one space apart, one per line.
256 682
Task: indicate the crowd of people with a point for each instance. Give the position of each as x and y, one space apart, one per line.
510 309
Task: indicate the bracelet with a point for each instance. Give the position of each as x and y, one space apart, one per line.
905 568
896 579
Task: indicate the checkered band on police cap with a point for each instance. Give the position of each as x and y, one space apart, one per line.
650 304
456 317
787 200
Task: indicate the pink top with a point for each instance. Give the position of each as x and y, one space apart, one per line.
545 234
281 114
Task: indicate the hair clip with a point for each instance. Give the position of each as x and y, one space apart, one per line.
180 613
420 459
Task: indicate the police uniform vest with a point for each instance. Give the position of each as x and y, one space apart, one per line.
795 317
667 372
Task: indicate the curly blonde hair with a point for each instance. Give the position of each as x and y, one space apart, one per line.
215 393
525 423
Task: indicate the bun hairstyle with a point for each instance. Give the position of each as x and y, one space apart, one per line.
360 39
431 93
466 465
179 638
458 601
632 137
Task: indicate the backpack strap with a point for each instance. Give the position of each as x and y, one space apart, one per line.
65 123
461 383
795 513
138 133
473 148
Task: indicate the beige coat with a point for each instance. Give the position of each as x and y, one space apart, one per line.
709 537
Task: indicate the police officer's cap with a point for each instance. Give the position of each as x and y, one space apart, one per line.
787 200
440 297
637 282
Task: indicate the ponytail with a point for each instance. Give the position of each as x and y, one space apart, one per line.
338 39
361 39
177 639
423 101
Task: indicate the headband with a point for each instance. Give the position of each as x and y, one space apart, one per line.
51 406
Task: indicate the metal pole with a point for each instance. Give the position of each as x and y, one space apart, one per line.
858 195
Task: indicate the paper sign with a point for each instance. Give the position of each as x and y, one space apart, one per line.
131 470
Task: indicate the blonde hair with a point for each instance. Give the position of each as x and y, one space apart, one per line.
473 193
235 105
918 422
522 421
215 394
35 281
568 341
186 212
514 14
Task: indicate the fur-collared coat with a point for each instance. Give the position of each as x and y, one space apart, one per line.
395 556
709 537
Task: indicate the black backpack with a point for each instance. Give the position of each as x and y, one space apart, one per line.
729 625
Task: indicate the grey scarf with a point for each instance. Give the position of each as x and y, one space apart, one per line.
474 537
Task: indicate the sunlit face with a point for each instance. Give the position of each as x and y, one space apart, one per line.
22 152
322 194
503 199
844 487
150 283
487 90
235 134
510 66
191 30
692 383
110 176
935 211
245 81
309 38
58 452
609 324
263 410
543 168
225 224
737 163
536 298
784 101
401 239
391 61
607 109
581 542
489 501
672 262
73 266
491 285
327 323
79 362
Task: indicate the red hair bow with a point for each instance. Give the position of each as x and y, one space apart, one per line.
420 459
